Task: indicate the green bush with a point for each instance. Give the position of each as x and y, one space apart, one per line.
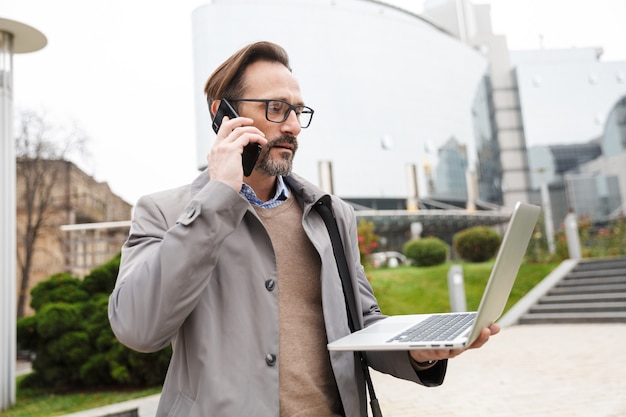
57 318
427 251
476 244
59 287
73 341
101 280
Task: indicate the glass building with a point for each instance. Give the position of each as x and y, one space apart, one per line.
589 194
588 179
612 161
451 171
614 138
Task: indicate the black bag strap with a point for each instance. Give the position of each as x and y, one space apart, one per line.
325 212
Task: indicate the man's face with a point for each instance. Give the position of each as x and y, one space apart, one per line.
270 80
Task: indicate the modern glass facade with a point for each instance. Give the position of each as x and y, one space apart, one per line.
489 166
574 114
451 171
593 193
614 138
593 196
566 95
613 158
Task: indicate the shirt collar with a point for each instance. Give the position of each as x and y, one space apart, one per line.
282 194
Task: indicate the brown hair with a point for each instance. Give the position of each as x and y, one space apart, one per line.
227 80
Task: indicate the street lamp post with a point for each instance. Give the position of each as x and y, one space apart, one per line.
15 37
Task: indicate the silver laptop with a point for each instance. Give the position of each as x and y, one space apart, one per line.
454 330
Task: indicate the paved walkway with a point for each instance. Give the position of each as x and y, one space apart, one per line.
525 371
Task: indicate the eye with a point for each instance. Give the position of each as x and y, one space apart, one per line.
276 107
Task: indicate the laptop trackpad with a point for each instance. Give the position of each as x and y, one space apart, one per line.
394 324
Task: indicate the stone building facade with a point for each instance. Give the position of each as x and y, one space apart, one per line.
84 225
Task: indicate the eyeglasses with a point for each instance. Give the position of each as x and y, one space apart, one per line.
277 111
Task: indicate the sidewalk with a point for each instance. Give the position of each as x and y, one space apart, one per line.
525 371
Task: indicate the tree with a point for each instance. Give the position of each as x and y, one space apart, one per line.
40 145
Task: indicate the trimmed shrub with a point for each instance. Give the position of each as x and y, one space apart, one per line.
476 244
73 341
54 319
60 287
101 280
427 251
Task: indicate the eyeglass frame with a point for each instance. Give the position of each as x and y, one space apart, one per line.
291 107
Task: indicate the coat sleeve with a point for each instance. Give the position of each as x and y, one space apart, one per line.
167 261
396 363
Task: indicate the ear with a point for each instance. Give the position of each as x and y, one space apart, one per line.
213 108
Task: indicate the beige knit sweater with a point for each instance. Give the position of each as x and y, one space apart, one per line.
307 385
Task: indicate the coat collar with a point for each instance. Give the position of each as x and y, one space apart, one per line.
305 191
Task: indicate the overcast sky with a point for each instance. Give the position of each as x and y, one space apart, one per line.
122 70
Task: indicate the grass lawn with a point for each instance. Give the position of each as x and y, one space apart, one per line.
39 403
410 290
403 290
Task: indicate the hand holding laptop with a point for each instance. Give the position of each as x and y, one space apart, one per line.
423 356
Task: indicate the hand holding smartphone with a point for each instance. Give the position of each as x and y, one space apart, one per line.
251 151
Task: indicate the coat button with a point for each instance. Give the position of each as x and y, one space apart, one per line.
270 284
270 359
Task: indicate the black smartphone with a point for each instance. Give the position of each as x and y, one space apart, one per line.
251 151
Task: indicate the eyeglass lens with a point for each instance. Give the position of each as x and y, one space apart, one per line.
278 111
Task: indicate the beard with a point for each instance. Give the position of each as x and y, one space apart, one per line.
282 165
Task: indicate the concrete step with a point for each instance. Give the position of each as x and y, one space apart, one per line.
589 292
619 263
583 307
576 274
592 317
593 297
569 281
582 289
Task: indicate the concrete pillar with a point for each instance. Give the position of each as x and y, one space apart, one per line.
412 188
326 176
456 289
471 180
15 37
547 214
573 238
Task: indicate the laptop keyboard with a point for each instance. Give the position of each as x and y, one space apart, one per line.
439 328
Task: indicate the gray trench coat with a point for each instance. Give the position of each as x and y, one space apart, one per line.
196 272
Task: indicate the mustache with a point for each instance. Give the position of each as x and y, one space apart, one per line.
283 140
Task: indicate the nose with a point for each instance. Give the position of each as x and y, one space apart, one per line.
292 124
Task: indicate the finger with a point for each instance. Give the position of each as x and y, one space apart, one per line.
240 136
434 355
494 328
482 339
229 126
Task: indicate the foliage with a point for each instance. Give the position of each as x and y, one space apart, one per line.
599 241
368 240
73 341
426 251
476 244
604 241
61 287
